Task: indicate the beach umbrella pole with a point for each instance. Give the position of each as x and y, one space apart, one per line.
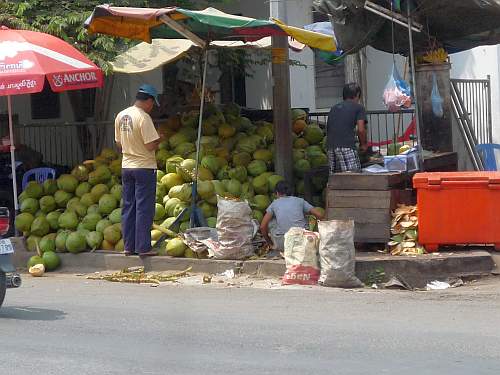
12 154
196 216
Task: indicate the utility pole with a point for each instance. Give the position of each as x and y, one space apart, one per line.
283 159
355 71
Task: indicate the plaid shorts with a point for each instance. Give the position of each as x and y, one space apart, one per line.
343 159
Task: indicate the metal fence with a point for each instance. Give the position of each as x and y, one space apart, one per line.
61 144
475 95
384 127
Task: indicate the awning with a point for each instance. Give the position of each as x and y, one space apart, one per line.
199 26
454 25
145 57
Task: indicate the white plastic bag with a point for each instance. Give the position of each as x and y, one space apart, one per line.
337 254
397 92
436 99
301 257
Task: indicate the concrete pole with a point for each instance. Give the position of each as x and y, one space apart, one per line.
283 159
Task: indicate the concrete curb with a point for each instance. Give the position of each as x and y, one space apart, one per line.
415 271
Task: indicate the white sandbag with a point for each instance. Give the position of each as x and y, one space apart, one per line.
235 231
194 238
301 257
337 254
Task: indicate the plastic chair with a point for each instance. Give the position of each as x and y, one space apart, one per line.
487 153
41 175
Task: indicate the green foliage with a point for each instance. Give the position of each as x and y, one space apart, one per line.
65 19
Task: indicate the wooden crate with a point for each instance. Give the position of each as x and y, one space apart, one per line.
368 181
369 208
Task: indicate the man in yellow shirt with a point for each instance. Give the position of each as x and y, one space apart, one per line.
138 139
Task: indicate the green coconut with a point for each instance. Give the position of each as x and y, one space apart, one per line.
107 203
30 205
90 221
116 191
80 172
23 222
32 242
103 224
94 239
49 186
51 260
116 216
76 243
176 247
68 220
98 191
93 209
159 212
62 198
53 219
170 206
34 190
257 167
34 260
40 226
83 188
67 183
112 234
60 240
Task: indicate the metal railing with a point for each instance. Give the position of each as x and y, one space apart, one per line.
475 96
384 127
61 143
465 126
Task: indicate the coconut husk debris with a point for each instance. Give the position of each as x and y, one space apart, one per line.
404 231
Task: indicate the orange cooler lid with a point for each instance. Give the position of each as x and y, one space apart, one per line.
423 180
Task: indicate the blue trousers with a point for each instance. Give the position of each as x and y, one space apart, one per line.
138 211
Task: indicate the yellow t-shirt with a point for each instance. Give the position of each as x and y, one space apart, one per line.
133 129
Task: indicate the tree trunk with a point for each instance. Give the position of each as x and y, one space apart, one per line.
355 71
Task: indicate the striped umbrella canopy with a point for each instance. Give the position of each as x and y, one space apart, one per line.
199 26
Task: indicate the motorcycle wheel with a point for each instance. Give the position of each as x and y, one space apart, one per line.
3 287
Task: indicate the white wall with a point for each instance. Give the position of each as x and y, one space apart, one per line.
378 68
302 88
478 63
125 87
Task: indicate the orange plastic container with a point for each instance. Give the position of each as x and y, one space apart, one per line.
458 208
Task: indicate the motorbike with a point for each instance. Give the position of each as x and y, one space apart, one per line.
9 278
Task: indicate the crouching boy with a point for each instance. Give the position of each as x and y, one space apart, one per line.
284 213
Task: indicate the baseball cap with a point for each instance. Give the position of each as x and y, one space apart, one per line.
151 91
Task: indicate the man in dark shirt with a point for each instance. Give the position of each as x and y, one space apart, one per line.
343 120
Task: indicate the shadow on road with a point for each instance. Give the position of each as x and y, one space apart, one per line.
30 313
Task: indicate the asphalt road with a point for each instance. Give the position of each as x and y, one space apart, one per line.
70 325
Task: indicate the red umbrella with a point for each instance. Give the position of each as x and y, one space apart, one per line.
27 58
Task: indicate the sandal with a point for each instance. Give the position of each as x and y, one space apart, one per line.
150 253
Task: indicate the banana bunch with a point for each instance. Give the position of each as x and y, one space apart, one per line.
438 56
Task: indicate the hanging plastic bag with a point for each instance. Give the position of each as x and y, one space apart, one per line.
436 99
397 92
